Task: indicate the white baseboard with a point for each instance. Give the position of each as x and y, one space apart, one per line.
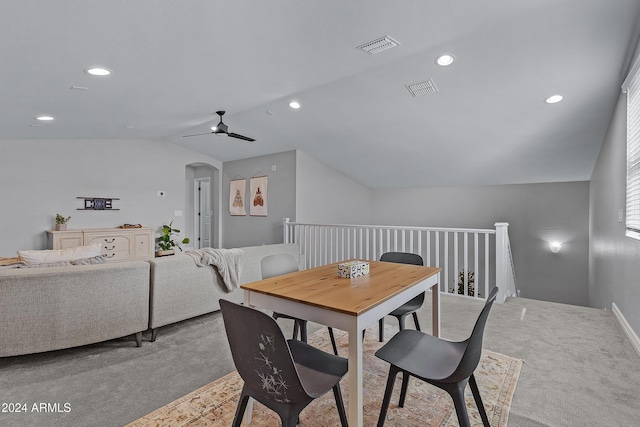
633 337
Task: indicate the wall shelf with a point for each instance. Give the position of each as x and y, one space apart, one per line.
98 204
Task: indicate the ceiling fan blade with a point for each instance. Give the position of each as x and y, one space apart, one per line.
198 134
235 135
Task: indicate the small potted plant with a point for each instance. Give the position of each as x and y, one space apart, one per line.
61 222
167 243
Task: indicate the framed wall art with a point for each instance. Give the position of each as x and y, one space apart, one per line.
237 192
258 195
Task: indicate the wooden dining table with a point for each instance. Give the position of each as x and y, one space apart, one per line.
321 296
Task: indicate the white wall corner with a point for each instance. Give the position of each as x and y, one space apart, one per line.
629 332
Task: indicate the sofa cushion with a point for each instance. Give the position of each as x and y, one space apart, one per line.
48 256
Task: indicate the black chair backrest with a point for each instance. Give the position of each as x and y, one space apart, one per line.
261 354
275 265
473 350
402 258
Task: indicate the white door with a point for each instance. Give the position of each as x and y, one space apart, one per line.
203 213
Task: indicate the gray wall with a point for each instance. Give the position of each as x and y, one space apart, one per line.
536 213
326 196
614 266
249 230
43 177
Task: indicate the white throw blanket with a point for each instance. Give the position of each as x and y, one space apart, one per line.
228 262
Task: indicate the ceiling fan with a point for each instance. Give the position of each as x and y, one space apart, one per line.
222 129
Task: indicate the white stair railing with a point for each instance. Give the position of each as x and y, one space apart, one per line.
465 255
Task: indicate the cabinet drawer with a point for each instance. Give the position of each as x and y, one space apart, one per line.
112 256
110 243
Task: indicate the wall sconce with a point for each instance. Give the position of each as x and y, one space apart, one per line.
555 246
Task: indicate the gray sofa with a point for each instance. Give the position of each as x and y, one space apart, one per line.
51 308
181 290
43 309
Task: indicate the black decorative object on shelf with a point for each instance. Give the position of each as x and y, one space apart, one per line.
98 204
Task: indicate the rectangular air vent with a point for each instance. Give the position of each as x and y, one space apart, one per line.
422 88
377 46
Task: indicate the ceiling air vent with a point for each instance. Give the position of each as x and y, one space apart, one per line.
422 88
377 46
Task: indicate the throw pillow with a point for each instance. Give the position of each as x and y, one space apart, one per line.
56 255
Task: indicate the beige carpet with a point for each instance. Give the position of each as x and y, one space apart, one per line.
215 403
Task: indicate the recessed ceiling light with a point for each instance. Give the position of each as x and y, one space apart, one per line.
444 60
44 118
294 104
554 99
98 71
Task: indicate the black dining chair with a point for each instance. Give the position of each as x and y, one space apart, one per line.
276 265
409 307
285 376
445 364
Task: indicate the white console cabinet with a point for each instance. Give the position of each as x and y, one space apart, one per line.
118 244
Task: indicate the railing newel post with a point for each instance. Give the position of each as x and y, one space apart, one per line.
502 253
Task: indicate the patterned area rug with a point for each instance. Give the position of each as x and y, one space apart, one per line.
215 403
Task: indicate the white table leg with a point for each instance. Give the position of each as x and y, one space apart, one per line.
356 398
435 308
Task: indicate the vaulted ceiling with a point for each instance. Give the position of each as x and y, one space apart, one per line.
174 63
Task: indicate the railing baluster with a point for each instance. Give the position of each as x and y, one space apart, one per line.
486 265
475 262
446 259
404 241
367 244
465 261
456 255
428 259
437 250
